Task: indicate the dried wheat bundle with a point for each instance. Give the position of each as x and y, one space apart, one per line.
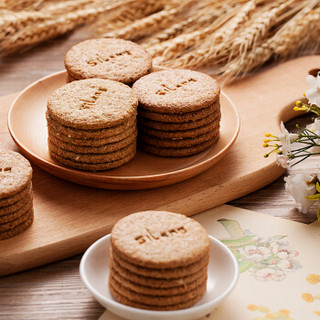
26 28
287 41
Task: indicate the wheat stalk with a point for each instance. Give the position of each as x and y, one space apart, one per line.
29 28
137 10
293 35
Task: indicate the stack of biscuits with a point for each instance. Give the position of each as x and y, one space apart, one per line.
92 124
16 200
158 261
178 113
113 59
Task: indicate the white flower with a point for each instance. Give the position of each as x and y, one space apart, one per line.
285 139
268 274
313 94
282 161
297 186
315 127
255 253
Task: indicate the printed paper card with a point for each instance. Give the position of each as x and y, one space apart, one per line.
279 265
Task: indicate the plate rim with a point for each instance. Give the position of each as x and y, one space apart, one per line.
110 179
188 313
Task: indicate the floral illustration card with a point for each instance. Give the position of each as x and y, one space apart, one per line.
279 264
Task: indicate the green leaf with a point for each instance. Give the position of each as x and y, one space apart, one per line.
244 265
232 227
243 241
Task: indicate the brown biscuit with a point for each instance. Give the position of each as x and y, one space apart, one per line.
167 126
105 148
179 143
156 300
159 239
178 152
176 91
112 134
5 226
92 167
15 206
92 104
184 304
15 173
163 273
93 158
181 134
179 117
113 59
157 291
17 196
18 229
157 282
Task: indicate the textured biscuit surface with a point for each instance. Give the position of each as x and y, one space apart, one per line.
16 205
113 59
90 166
104 148
18 229
178 152
162 273
7 201
178 126
115 133
179 117
159 239
176 91
92 104
15 173
157 282
144 289
184 304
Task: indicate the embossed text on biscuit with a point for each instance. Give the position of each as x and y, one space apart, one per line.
166 89
100 60
90 101
5 170
152 235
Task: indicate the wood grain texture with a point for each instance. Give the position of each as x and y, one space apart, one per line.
69 217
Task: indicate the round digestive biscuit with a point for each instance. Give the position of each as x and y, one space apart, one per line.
95 142
16 205
156 300
17 214
89 166
157 282
179 143
175 135
93 158
114 133
17 196
162 273
92 104
159 239
176 91
157 291
106 148
179 126
114 59
15 173
14 223
18 229
179 117
184 304
178 152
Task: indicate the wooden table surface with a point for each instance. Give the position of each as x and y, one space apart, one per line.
55 291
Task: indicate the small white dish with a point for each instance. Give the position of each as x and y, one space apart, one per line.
223 274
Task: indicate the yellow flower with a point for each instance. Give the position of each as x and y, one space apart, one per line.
284 312
313 278
317 313
252 307
307 297
263 309
271 316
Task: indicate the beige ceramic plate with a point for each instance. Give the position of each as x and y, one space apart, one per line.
28 128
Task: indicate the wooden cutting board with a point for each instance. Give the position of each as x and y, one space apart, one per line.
70 217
